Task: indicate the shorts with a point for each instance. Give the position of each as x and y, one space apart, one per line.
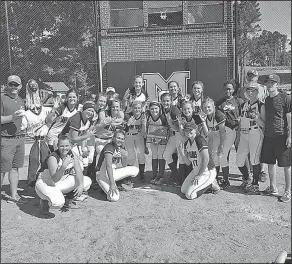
274 149
12 153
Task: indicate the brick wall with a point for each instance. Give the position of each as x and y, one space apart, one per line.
176 43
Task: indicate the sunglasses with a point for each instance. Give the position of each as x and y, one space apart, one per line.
12 84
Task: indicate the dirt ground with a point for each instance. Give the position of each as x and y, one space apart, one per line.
150 225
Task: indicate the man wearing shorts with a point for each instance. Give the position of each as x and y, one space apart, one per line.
277 136
12 138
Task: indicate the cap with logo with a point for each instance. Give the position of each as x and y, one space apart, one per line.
110 89
274 78
252 72
190 126
14 78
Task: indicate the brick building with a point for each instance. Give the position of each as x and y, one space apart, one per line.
163 40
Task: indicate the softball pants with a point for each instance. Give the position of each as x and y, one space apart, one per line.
250 141
170 149
46 189
157 151
118 174
214 143
135 147
194 190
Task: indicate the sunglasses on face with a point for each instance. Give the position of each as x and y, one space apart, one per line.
13 84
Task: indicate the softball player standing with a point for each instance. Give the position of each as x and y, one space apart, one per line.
251 137
134 139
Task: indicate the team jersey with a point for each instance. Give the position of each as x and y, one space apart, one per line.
262 91
215 120
135 127
197 104
194 119
77 123
56 154
63 115
231 109
112 149
193 150
173 112
35 124
157 129
142 97
246 121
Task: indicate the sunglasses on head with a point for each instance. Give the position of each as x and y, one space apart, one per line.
13 84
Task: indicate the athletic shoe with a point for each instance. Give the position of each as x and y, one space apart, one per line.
262 176
159 181
243 184
70 204
253 189
271 191
224 184
286 197
17 199
81 197
247 187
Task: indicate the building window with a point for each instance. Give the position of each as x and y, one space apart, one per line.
126 14
165 13
202 12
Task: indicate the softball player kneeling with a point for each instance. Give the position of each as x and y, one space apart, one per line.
252 114
203 175
112 156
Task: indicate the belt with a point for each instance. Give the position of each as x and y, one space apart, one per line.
132 134
39 137
14 136
246 130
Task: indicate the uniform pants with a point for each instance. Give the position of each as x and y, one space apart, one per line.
169 149
180 140
191 189
250 142
135 147
118 174
157 151
54 193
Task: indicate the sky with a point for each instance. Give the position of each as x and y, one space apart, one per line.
276 16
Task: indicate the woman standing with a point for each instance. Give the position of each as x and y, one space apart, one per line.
63 112
112 156
157 136
135 131
61 174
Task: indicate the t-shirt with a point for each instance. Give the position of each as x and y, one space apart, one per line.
215 120
276 109
192 152
231 109
9 106
245 113
112 149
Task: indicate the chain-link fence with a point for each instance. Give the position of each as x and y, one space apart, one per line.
52 41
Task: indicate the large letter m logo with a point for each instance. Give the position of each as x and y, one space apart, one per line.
155 83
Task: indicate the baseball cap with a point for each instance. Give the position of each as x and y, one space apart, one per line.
274 78
110 89
190 126
88 104
14 78
252 72
252 86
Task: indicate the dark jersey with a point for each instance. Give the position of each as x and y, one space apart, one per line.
215 120
77 123
111 149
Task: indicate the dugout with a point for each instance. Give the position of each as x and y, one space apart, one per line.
165 37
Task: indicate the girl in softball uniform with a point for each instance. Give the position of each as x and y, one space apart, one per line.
187 116
197 96
134 139
111 166
218 149
252 114
203 173
157 135
230 106
60 174
63 112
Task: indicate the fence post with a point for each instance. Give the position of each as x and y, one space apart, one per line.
8 37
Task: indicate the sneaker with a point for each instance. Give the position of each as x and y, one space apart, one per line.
159 181
286 197
128 182
271 191
81 198
262 176
71 204
215 187
17 199
253 189
243 184
247 187
224 184
153 180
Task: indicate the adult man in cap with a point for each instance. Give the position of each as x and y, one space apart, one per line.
251 79
12 137
277 136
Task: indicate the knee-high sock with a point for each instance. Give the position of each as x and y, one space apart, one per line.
217 171
175 158
161 167
141 169
174 171
182 173
154 167
225 171
244 172
256 170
